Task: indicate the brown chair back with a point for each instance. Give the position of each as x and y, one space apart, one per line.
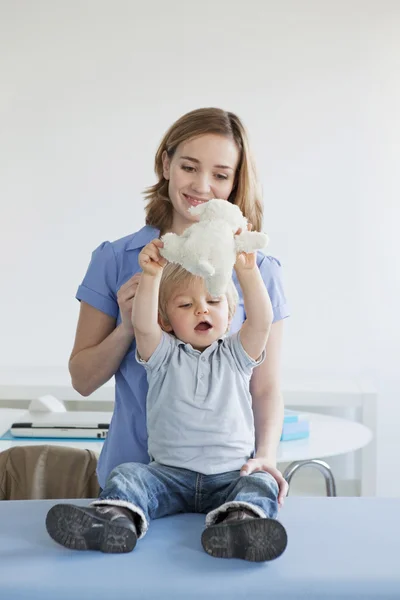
47 472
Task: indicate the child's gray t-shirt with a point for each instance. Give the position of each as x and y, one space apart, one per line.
199 409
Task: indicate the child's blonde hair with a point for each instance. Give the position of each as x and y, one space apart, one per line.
246 192
174 276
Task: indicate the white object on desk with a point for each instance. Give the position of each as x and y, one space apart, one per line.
10 415
46 404
64 425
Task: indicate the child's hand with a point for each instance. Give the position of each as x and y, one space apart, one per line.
246 261
254 465
150 259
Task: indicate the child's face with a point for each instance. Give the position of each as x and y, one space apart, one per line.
195 317
201 169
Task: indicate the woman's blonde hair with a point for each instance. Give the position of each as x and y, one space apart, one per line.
174 276
246 190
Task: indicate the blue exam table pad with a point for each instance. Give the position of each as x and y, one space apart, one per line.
339 548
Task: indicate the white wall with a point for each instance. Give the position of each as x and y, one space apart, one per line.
87 90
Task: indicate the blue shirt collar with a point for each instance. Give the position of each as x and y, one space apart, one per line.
208 350
142 237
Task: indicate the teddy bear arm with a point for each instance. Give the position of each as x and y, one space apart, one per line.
172 249
249 241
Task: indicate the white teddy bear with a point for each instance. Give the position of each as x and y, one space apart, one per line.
209 247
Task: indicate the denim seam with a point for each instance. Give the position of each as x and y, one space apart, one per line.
197 504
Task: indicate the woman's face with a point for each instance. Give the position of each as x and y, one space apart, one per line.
201 169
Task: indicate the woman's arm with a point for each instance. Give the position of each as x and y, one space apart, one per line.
98 349
99 346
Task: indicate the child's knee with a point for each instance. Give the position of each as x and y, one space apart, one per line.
129 471
265 480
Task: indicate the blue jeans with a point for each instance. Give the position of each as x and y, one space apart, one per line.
153 491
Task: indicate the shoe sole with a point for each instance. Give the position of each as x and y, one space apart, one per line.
75 528
256 540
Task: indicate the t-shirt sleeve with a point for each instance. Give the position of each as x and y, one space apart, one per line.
161 354
242 360
99 285
271 272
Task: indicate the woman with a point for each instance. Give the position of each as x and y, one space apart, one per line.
204 155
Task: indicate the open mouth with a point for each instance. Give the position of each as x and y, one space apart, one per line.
203 326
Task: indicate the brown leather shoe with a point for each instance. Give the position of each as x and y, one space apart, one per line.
106 528
241 534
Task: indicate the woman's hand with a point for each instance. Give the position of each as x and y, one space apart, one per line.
262 464
150 259
125 296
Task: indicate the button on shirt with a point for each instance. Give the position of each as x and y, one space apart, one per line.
199 413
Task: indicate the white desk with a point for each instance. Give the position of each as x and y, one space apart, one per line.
28 383
329 436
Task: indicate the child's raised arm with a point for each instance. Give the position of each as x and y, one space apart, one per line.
145 302
257 304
